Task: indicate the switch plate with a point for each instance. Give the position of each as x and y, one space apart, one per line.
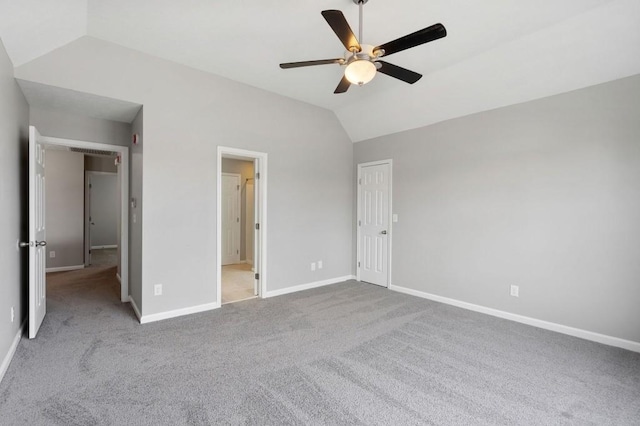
515 291
313 266
319 264
157 290
52 254
394 218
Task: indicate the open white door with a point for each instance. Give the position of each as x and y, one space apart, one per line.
230 218
37 234
373 223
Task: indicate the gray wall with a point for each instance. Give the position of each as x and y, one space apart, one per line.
135 211
59 124
544 195
187 114
14 121
245 169
100 164
64 201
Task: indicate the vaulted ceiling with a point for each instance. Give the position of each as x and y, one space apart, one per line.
497 52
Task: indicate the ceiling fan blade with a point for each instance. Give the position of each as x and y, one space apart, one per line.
400 73
343 86
425 35
340 26
287 65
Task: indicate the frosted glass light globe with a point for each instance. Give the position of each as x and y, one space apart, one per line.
360 72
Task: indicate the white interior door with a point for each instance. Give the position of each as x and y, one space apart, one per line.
37 234
373 191
230 218
103 210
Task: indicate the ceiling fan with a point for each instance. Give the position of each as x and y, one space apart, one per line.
362 61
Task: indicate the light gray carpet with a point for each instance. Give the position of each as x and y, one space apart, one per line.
348 353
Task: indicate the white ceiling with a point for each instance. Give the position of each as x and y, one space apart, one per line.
497 52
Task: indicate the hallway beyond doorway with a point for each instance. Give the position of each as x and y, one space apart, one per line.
237 283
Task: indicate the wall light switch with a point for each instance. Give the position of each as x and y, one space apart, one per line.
313 266
157 290
52 254
319 264
394 217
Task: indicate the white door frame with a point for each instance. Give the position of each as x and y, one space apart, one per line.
260 216
359 212
124 200
238 241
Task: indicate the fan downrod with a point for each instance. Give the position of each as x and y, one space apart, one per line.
360 1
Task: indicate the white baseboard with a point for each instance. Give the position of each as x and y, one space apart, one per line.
12 350
135 308
308 286
65 268
104 247
178 312
559 328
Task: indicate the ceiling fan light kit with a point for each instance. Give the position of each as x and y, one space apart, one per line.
362 61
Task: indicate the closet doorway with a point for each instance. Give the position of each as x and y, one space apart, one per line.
241 226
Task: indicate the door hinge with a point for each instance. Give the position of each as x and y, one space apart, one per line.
237 219
258 175
257 276
90 186
237 187
257 226
358 264
359 223
360 181
237 251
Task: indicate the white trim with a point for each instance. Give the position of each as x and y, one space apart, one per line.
390 213
309 286
559 328
260 186
12 350
118 278
124 197
136 310
64 268
112 246
178 312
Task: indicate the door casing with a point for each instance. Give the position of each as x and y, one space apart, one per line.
359 217
260 216
123 152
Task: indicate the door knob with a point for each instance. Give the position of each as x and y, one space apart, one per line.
41 243
384 232
23 244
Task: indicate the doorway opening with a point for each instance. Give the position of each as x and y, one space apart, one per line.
101 221
101 205
241 225
374 215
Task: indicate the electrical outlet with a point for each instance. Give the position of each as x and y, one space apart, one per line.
515 291
13 314
52 254
157 290
319 264
313 266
